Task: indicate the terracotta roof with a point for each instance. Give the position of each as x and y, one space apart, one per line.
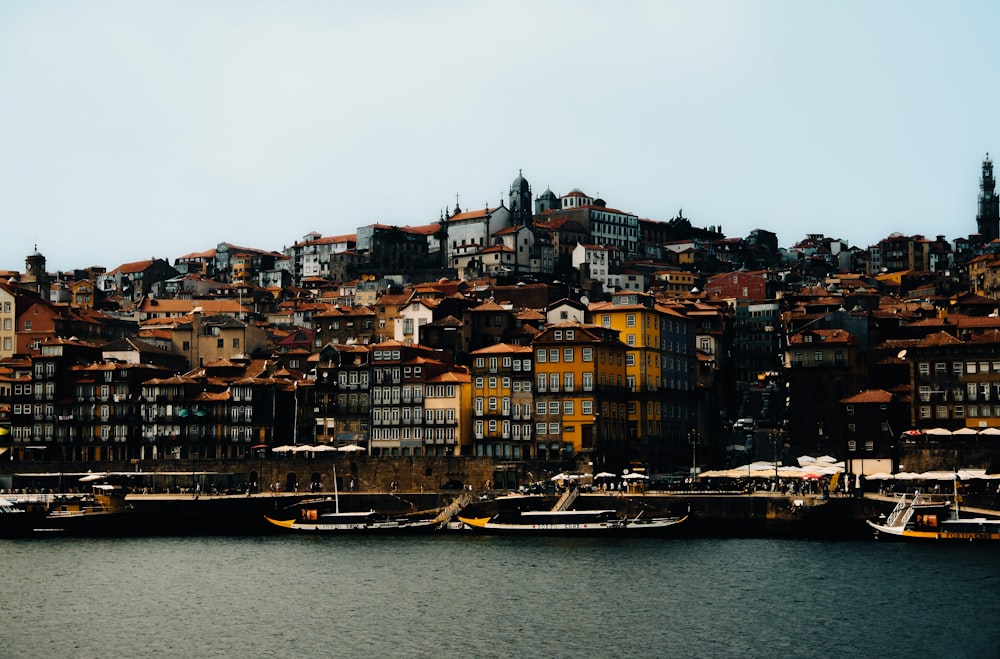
501 348
869 396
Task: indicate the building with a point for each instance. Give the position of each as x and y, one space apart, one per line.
502 402
581 395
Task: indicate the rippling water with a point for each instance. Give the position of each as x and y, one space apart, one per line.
472 596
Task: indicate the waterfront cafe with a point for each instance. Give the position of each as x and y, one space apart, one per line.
137 481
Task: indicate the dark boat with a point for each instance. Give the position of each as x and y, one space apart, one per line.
102 512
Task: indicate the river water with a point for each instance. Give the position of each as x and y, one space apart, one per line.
473 596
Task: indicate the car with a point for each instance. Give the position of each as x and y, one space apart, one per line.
743 424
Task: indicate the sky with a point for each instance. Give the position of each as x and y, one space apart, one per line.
134 130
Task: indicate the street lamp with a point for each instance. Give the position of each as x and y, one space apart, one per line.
774 447
693 441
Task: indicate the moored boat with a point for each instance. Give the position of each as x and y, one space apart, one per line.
569 522
324 516
919 517
103 512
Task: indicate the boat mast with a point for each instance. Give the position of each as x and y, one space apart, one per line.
336 493
954 482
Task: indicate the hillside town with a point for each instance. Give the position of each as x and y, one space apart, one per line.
546 328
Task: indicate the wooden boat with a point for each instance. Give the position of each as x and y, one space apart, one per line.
570 522
920 517
103 512
324 516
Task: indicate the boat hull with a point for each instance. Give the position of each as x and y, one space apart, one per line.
368 526
629 528
961 530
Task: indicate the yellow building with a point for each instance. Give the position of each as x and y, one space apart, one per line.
502 401
639 321
447 414
580 394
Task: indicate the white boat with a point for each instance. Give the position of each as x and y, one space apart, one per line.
322 516
569 522
920 517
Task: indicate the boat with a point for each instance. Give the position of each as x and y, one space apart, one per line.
15 521
323 515
570 522
101 512
920 517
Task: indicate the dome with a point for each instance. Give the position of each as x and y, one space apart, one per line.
520 184
548 194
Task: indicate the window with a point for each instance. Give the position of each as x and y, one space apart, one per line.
630 320
588 354
925 368
568 381
553 355
220 343
567 407
540 356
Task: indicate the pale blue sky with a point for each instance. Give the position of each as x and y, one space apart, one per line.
138 129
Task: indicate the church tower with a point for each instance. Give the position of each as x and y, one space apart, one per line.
988 219
520 201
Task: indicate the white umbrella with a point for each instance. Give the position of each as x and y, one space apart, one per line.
283 449
559 477
634 476
940 432
350 448
964 432
323 448
303 448
990 431
93 477
605 474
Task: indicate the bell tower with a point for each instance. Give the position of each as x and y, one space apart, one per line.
988 218
520 201
35 277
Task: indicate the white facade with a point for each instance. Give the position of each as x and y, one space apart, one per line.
473 231
8 309
409 321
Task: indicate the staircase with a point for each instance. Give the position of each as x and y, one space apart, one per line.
453 508
566 500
